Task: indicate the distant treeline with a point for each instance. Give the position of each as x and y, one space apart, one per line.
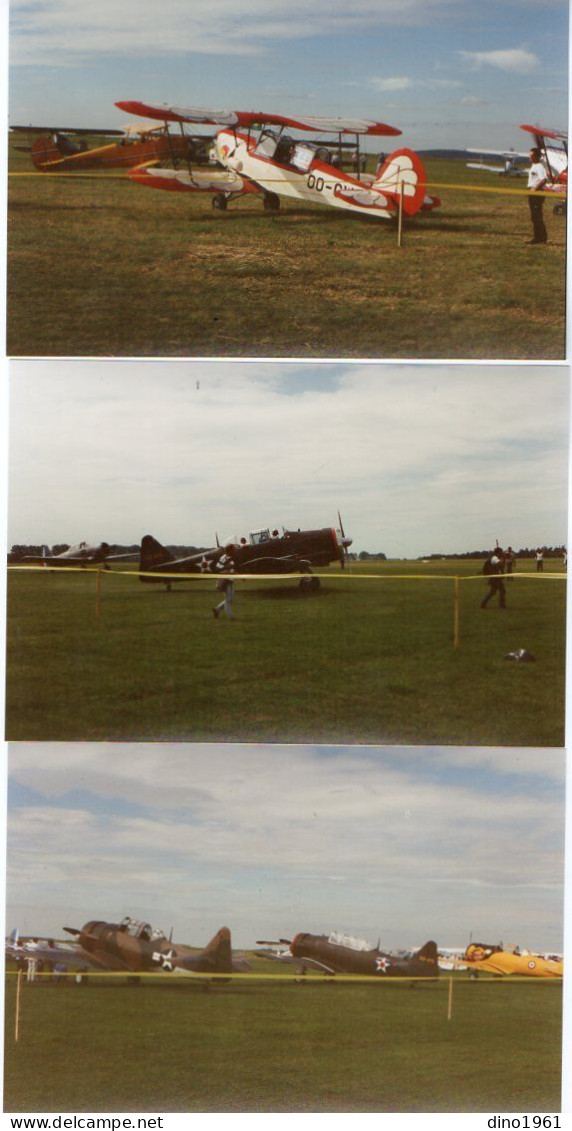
548 551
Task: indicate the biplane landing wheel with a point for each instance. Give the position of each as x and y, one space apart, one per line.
219 202
309 584
560 209
271 202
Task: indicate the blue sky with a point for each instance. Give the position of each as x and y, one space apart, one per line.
447 72
418 459
400 843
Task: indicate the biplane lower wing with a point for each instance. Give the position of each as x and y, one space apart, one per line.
184 180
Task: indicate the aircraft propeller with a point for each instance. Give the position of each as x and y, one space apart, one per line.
346 542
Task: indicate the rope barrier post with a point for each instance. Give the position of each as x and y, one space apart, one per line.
450 1001
456 615
400 215
17 1018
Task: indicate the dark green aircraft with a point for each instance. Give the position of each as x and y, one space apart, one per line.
263 552
342 954
133 947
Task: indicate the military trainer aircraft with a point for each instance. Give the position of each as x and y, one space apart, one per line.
83 554
132 947
496 960
264 551
260 157
337 953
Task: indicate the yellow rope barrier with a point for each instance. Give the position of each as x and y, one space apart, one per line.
313 976
345 575
554 193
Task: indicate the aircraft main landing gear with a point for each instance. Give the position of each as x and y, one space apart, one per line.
309 584
271 202
219 202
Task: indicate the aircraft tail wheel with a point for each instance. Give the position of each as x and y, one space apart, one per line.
271 202
309 583
219 202
560 209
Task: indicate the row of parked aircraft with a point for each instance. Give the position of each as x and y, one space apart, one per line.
265 551
256 153
133 947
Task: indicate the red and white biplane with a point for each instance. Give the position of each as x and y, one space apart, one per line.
258 155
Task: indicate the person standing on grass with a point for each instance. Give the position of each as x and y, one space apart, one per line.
492 568
537 180
225 585
509 562
539 561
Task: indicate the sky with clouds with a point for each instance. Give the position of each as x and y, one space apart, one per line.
447 72
418 459
400 843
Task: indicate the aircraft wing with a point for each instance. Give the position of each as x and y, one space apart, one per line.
507 153
539 131
289 960
500 169
71 956
66 130
200 115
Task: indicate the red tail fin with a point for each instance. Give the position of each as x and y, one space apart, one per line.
403 171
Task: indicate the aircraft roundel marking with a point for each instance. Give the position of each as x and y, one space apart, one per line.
532 965
382 965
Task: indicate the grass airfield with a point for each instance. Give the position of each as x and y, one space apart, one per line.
276 1046
367 660
98 265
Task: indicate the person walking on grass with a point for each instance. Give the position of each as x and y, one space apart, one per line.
492 568
225 585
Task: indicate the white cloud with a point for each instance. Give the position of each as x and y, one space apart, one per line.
515 60
400 82
43 31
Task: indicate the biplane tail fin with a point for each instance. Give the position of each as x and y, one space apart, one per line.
403 172
45 152
151 555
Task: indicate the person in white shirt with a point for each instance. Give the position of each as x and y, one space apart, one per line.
537 180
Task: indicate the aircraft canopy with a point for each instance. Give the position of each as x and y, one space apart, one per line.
339 939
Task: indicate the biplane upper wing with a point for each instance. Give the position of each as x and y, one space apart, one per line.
88 131
554 135
199 115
